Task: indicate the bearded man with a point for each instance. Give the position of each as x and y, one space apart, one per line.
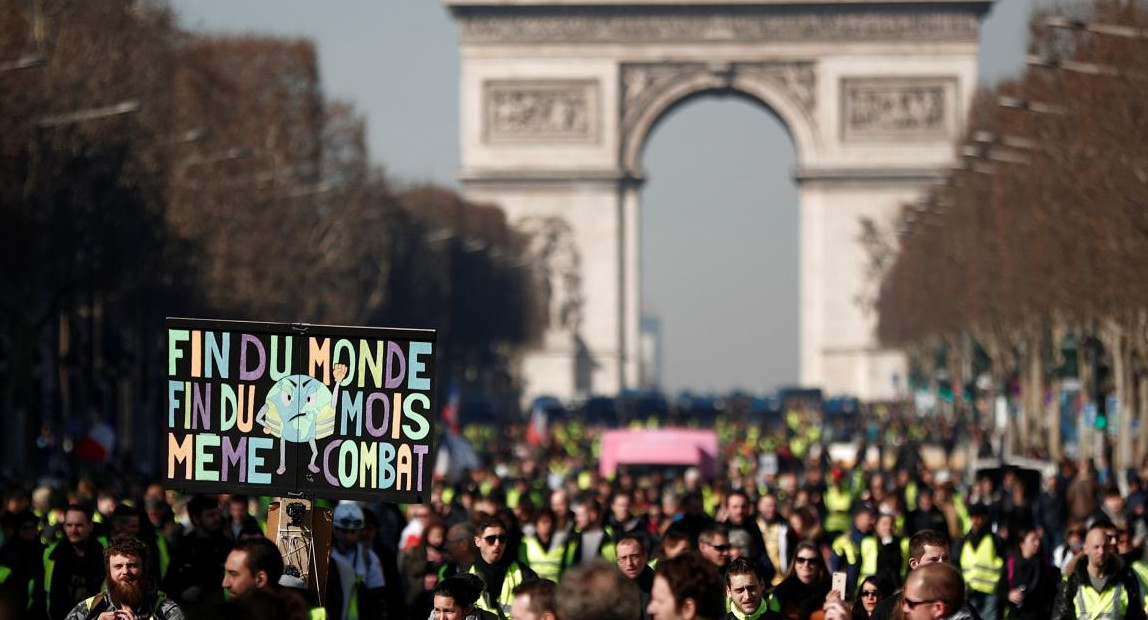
127 594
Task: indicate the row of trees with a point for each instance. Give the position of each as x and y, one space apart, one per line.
1032 251
148 172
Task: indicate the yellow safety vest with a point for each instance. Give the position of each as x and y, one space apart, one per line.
1110 604
962 509
164 554
548 564
50 568
837 502
5 573
869 548
500 606
911 492
845 548
981 566
1141 570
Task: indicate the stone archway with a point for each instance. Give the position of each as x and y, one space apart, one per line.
558 98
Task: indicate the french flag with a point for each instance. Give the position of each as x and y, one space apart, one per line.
450 411
536 429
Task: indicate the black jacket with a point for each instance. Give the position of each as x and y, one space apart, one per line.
74 578
1065 606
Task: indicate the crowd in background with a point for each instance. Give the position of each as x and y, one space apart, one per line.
773 530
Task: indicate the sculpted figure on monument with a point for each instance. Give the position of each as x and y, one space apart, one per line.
558 267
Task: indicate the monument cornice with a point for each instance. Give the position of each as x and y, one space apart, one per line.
804 174
672 23
462 4
545 176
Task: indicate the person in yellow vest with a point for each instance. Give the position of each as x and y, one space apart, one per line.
541 550
981 560
73 568
499 572
847 547
745 591
884 553
126 594
590 540
1099 585
838 500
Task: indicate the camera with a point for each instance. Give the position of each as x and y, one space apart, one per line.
295 512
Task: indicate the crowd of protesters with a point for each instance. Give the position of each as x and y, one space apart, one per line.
538 532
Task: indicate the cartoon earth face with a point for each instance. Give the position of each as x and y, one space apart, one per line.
299 409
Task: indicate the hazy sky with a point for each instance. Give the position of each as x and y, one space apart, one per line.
718 170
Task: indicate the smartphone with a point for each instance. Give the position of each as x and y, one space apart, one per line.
839 584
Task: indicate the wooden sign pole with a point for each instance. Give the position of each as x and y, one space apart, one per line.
303 535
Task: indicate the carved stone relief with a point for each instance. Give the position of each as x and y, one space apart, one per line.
541 111
557 266
717 24
644 83
898 108
796 78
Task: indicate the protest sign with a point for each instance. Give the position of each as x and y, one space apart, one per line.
316 410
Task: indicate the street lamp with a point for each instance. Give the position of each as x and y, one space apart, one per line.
1116 30
1016 142
90 114
1087 68
24 62
1016 103
982 151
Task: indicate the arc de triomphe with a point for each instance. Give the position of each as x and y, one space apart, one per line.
558 97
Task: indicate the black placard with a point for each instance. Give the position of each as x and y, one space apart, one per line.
257 408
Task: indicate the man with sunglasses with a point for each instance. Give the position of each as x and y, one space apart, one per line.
500 572
713 543
935 592
925 548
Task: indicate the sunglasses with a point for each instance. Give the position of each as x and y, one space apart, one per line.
804 560
490 540
870 593
720 548
914 604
